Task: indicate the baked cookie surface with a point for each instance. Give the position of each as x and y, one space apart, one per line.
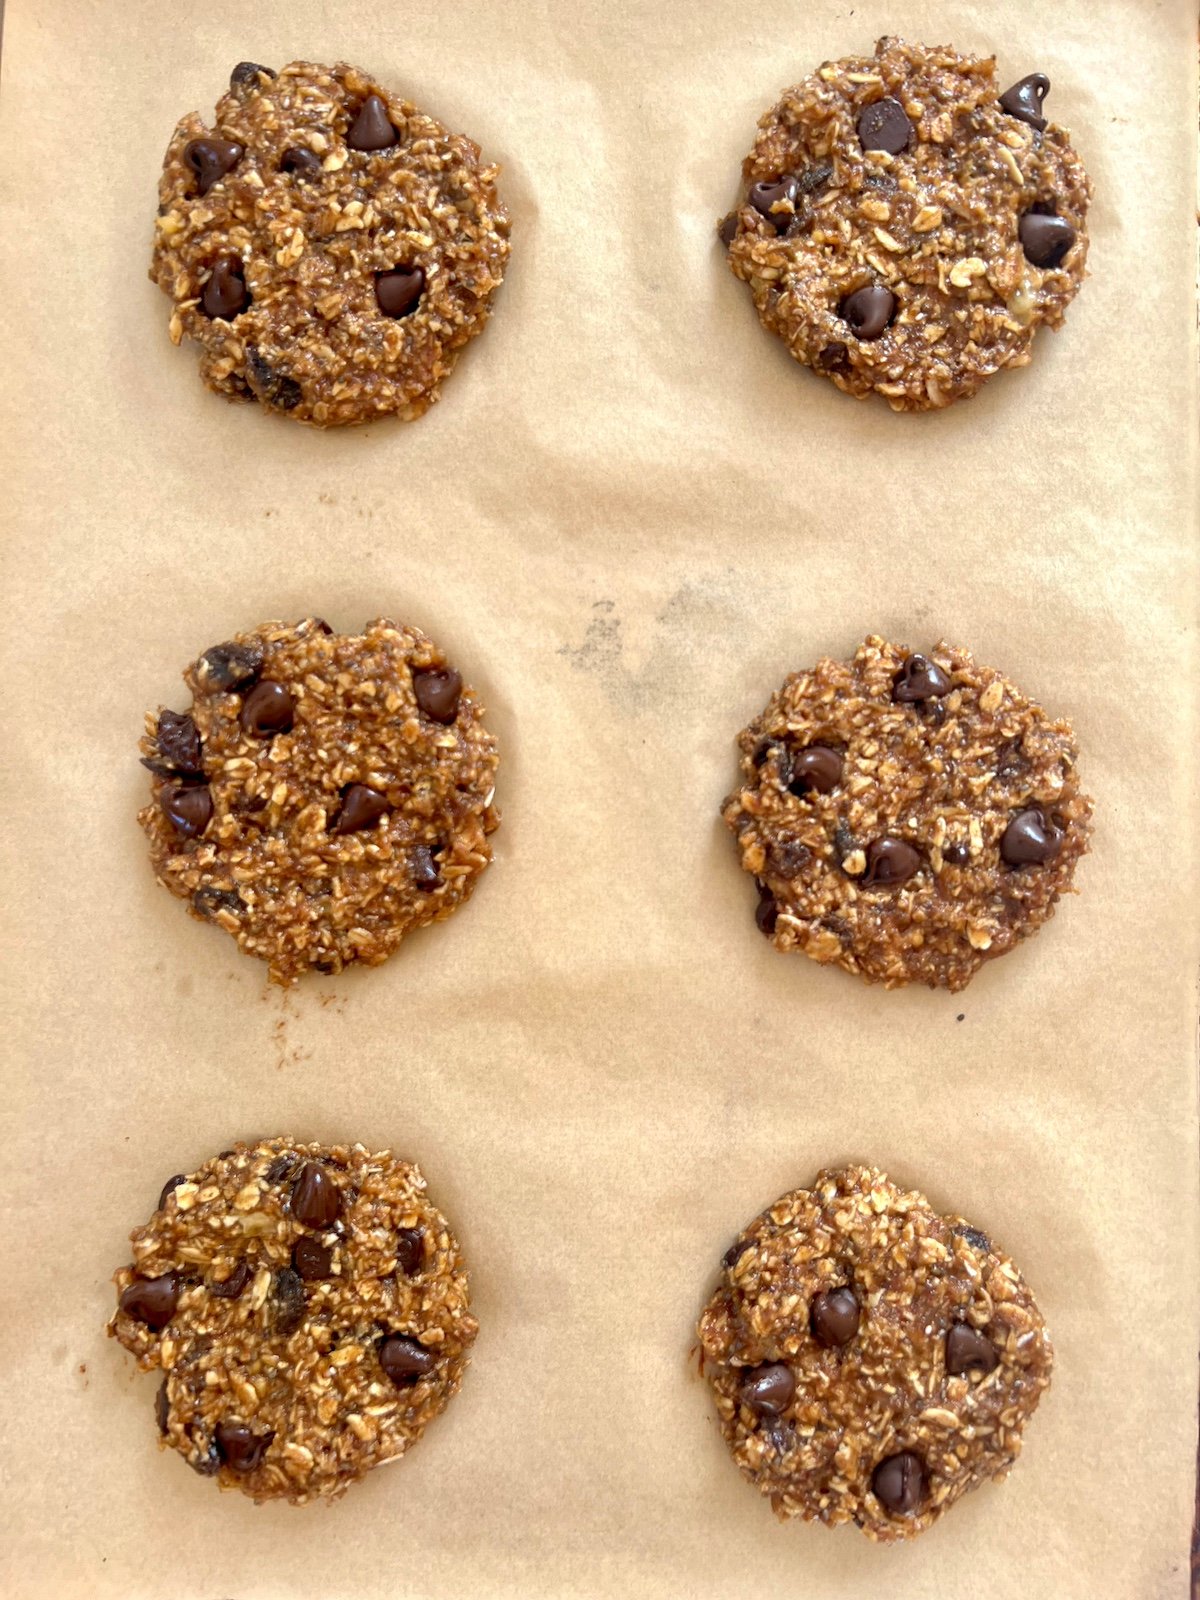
323 795
907 817
329 246
308 1308
906 228
871 1360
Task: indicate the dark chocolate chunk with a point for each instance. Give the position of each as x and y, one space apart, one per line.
1045 240
398 293
178 741
360 807
312 1260
817 767
234 1286
1031 839
239 1449
868 310
890 862
288 1291
225 293
899 1482
210 159
920 679
151 1300
967 1350
268 709
768 1389
370 129
1024 99
405 1359
438 693
884 125
834 1316
231 666
188 808
316 1198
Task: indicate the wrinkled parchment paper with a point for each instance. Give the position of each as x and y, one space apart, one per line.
630 516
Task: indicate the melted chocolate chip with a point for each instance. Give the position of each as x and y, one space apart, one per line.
288 1292
370 129
920 679
208 901
178 741
788 857
230 666
210 159
967 1350
868 310
270 387
162 1408
151 1300
280 1167
977 1239
188 808
884 125
815 767
890 862
834 357
899 1482
405 1360
234 1286
268 709
300 161
245 75
1030 839
1045 240
814 178
398 293
764 197
312 1260
1024 100
410 1250
360 807
834 1317
239 1449
169 1188
768 1389
225 293
424 869
438 693
316 1199
766 912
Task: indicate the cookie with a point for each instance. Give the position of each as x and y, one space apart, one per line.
871 1360
908 817
308 1309
324 793
907 228
329 247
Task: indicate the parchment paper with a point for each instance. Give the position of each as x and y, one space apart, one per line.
628 519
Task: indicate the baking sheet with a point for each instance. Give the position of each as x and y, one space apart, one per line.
630 516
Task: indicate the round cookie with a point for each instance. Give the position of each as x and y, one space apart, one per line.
329 247
308 1309
324 793
907 817
906 228
871 1360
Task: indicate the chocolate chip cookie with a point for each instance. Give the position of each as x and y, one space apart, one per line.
908 817
329 247
308 1310
906 228
323 794
871 1360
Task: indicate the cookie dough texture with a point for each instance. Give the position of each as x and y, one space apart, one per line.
937 228
323 795
871 1360
308 1310
272 239
908 817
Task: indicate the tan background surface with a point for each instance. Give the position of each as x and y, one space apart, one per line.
630 516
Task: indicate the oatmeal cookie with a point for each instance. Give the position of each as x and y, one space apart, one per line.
871 1360
329 247
906 229
309 1312
908 817
324 794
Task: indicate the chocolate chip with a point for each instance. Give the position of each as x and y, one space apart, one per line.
178 741
360 807
210 159
232 1287
1030 839
956 855
288 1290
398 292
208 901
280 1167
424 869
884 125
727 230
162 1408
169 1188
410 1250
868 310
788 857
767 1389
151 1300
890 862
207 1460
239 1449
766 912
967 1350
764 197
1045 240
371 129
317 623
188 808
779 1437
268 709
814 178
734 1254
229 666
920 679
225 293
312 1260
880 180
245 75
405 1360
834 357
974 1237
815 767
834 1316
1024 99
316 1199
1010 760
269 386
899 1482
438 693
299 160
